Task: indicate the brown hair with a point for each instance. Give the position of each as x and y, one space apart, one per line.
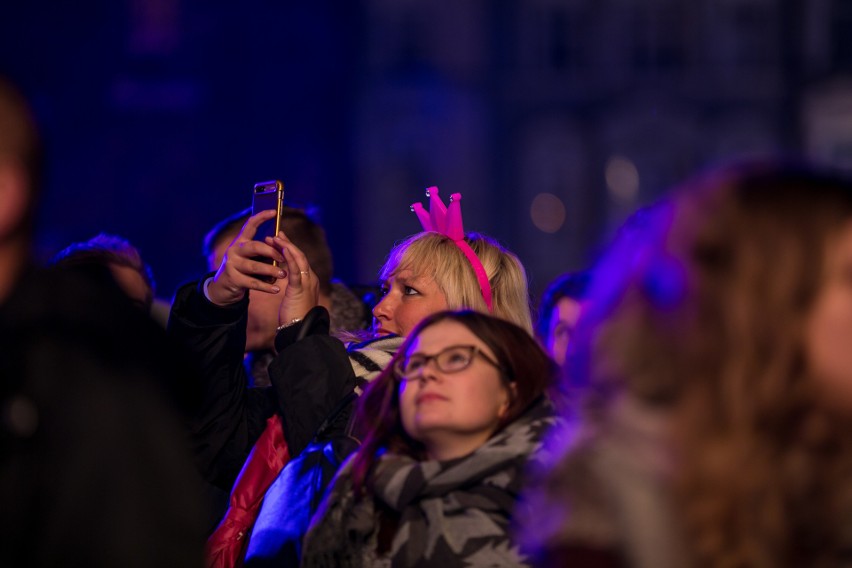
524 363
701 310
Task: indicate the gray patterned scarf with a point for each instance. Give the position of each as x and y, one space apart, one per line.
453 513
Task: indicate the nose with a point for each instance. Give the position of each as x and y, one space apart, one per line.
427 371
384 308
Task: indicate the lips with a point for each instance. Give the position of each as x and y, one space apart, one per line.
428 397
379 330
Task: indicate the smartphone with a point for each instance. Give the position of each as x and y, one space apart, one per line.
268 195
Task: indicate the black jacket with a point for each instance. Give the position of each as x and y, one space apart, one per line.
95 468
309 374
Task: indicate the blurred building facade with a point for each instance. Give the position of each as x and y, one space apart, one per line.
558 118
554 118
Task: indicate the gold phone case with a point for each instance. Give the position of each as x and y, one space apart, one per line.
268 195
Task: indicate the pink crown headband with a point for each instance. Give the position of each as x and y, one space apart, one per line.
448 221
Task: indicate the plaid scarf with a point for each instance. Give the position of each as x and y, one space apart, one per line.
453 513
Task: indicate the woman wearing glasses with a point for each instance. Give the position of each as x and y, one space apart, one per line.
453 421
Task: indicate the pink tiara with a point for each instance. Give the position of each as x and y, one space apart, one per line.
448 221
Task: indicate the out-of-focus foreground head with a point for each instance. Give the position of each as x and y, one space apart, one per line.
20 163
123 260
20 183
728 305
722 279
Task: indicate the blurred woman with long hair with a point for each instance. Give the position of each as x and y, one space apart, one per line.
714 377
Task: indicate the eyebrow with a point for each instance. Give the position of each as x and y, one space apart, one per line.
423 354
409 279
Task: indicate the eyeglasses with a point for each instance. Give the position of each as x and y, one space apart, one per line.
449 360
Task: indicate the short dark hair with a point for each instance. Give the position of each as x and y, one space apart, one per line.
103 250
572 285
227 228
299 226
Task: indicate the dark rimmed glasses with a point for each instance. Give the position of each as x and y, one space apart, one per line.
449 360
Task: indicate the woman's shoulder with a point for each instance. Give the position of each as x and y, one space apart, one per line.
564 500
595 485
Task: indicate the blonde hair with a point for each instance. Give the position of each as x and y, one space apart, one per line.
435 255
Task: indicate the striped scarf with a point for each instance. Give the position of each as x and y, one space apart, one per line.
370 357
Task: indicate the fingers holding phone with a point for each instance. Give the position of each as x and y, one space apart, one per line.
302 291
248 264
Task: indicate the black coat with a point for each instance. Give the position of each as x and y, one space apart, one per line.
309 375
95 468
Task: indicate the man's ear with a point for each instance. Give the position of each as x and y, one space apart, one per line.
14 197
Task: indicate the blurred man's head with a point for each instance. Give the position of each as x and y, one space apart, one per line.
20 163
560 308
122 259
20 180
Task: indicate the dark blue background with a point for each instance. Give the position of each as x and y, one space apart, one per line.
160 115
157 147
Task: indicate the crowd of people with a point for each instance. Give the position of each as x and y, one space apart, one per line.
684 401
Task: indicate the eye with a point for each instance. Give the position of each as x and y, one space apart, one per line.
409 291
414 364
456 358
384 290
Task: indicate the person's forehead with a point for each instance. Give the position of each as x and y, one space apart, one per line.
444 334
410 276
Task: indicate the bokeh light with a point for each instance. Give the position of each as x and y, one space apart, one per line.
622 179
547 212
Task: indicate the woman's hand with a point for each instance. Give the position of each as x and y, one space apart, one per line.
238 273
302 291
